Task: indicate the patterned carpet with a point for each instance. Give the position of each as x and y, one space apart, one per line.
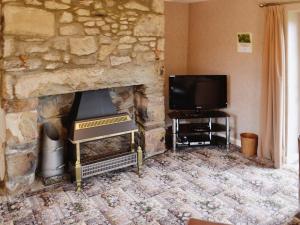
210 184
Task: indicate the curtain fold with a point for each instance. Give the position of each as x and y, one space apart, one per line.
273 135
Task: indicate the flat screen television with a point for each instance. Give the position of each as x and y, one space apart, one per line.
197 92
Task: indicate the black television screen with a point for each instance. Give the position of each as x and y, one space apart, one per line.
197 92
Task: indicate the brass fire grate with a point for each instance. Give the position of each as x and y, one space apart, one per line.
102 122
101 128
109 165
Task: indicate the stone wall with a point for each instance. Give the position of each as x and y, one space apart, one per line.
53 48
2 123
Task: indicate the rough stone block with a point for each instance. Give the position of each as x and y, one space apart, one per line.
21 127
156 111
24 48
72 29
60 43
150 25
85 60
7 90
16 64
136 6
2 148
83 12
83 46
118 60
2 162
55 5
66 17
158 6
19 165
22 148
17 105
154 141
53 66
9 46
124 47
33 2
161 44
106 50
92 31
52 56
141 48
127 40
144 57
20 184
28 21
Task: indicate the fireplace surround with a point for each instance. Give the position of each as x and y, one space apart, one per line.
56 48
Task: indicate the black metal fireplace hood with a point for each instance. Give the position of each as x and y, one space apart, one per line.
94 115
92 104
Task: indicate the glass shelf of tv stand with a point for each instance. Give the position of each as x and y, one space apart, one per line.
194 128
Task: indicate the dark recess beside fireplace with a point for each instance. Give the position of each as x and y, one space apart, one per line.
93 117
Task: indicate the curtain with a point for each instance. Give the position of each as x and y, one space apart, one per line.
273 128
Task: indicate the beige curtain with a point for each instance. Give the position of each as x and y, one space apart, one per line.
273 83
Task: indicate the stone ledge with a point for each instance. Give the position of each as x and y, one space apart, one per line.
81 79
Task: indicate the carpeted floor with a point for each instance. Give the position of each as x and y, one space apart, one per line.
210 184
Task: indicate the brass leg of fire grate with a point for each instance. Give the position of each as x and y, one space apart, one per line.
139 160
78 167
132 142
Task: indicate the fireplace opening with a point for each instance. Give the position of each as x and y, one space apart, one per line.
56 110
99 128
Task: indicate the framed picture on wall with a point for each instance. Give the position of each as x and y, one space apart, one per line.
244 42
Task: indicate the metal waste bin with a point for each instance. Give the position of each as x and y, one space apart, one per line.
249 144
52 152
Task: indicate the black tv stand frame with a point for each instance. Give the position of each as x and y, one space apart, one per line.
187 133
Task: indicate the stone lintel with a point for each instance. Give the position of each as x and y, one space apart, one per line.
80 79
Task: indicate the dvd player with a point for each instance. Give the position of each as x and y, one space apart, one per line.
194 143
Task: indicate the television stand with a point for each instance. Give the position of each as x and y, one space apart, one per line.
201 128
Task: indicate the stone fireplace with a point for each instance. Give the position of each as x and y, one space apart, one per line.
52 49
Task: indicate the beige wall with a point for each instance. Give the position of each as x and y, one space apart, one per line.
212 50
176 37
